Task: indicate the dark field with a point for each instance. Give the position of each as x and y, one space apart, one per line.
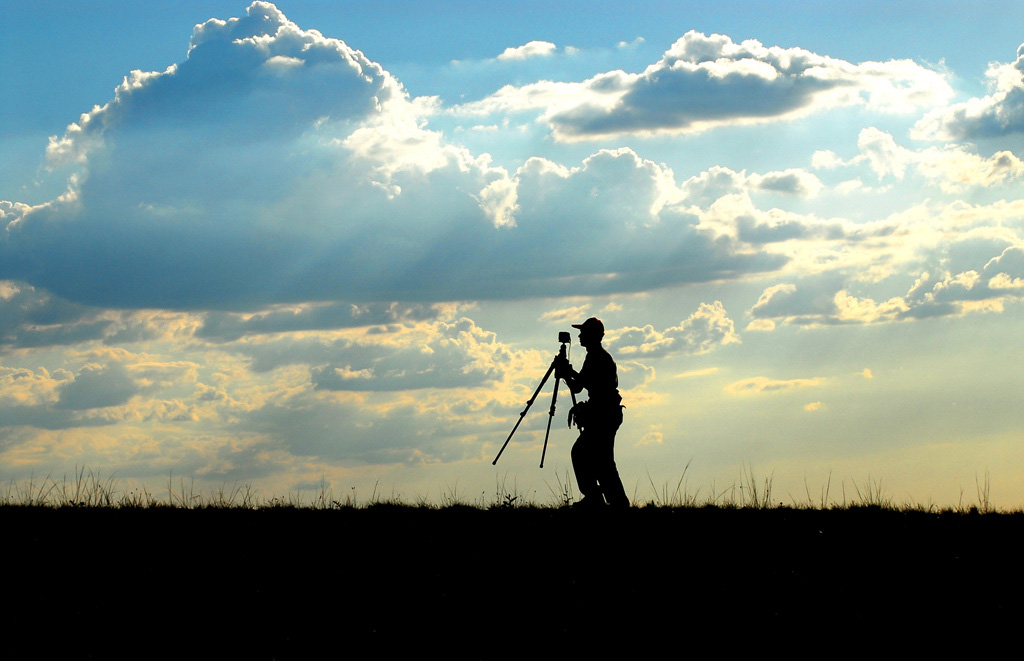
403 582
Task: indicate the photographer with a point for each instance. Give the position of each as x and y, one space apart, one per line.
598 419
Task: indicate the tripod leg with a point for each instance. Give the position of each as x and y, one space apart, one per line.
551 415
523 414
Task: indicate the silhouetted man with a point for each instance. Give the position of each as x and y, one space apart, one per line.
598 418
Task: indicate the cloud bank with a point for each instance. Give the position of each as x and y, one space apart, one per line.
706 81
275 165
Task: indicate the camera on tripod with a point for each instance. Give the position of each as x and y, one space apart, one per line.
561 359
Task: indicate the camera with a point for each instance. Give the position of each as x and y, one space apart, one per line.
564 337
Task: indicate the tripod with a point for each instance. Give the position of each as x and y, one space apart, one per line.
551 413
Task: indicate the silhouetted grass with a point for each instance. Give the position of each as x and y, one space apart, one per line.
126 574
88 489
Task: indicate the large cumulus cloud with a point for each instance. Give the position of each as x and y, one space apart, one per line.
705 81
276 165
272 164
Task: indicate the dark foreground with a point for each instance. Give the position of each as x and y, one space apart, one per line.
387 582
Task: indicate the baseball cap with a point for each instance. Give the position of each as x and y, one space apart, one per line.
592 325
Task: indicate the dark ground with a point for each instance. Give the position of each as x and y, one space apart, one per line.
391 582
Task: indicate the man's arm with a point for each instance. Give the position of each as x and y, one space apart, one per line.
564 371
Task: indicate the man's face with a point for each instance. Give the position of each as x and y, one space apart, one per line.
586 338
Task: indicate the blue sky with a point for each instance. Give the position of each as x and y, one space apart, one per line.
279 244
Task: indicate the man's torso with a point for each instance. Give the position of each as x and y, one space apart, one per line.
599 376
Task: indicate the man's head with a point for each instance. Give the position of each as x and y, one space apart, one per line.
591 331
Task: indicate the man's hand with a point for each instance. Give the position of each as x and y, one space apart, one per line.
563 368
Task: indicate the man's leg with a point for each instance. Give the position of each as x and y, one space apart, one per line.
583 465
608 474
612 487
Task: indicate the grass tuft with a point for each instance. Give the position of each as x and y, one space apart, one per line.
562 494
85 488
871 494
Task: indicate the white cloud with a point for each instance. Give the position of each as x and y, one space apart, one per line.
999 113
570 315
1004 281
735 215
763 384
229 326
956 169
953 168
825 159
849 187
864 310
652 437
706 329
528 50
283 62
970 269
793 181
706 81
690 374
883 154
21 387
716 182
437 354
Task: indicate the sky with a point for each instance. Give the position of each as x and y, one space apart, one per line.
332 244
